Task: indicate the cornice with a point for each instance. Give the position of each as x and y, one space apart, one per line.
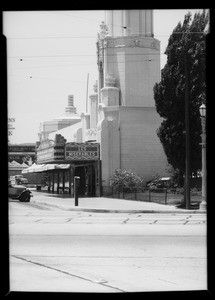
132 42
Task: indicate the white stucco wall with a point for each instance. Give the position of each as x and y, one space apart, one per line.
135 63
141 149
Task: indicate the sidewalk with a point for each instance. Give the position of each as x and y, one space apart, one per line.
102 204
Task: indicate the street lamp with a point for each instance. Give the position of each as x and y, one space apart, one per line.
202 110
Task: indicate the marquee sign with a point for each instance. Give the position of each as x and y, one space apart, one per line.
55 151
51 151
82 151
50 154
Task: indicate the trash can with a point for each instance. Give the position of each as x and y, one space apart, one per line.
38 187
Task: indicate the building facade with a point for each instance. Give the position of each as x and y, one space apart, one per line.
20 157
129 67
122 118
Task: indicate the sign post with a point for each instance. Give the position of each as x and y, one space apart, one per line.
76 185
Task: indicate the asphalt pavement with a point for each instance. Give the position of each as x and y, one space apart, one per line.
104 204
105 245
63 250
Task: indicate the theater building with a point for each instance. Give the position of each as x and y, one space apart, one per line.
119 130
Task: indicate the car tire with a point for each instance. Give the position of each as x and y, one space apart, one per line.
25 197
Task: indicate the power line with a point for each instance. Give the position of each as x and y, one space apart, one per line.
53 66
79 64
31 76
93 37
48 78
29 68
66 13
60 55
51 37
84 55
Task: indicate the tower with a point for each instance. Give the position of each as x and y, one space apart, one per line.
128 58
132 55
70 109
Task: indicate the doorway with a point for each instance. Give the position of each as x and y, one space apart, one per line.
81 172
87 174
91 181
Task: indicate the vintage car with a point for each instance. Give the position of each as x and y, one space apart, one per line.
19 179
19 192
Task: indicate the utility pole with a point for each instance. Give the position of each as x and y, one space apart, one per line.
203 204
187 127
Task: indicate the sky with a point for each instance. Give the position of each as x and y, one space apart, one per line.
49 56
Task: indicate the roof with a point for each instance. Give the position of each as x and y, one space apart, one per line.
68 117
165 178
66 132
14 165
22 144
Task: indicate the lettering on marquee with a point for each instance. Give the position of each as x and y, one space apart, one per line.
82 151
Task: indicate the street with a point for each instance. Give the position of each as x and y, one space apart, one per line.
72 251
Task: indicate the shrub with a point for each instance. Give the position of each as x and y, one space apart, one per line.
179 191
125 179
194 191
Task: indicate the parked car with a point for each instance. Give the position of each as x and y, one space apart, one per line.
159 183
19 192
19 179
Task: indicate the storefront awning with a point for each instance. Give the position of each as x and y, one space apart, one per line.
45 167
33 169
15 166
48 167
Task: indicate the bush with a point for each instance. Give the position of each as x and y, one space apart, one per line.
125 179
194 191
179 191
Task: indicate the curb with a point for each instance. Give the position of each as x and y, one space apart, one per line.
105 210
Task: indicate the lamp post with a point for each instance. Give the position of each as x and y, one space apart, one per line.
203 204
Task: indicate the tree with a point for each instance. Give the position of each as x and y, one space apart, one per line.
186 41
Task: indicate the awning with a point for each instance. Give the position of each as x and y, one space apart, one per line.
48 167
45 167
165 178
33 169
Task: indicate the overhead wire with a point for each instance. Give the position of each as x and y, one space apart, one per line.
91 37
151 58
83 55
51 37
72 16
47 78
26 57
81 64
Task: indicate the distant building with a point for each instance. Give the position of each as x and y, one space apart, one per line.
69 118
20 156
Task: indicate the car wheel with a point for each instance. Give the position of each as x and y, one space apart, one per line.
25 197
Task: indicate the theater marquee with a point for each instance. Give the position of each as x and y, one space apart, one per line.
82 151
50 151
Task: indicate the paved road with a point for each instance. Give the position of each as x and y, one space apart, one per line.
33 212
55 250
